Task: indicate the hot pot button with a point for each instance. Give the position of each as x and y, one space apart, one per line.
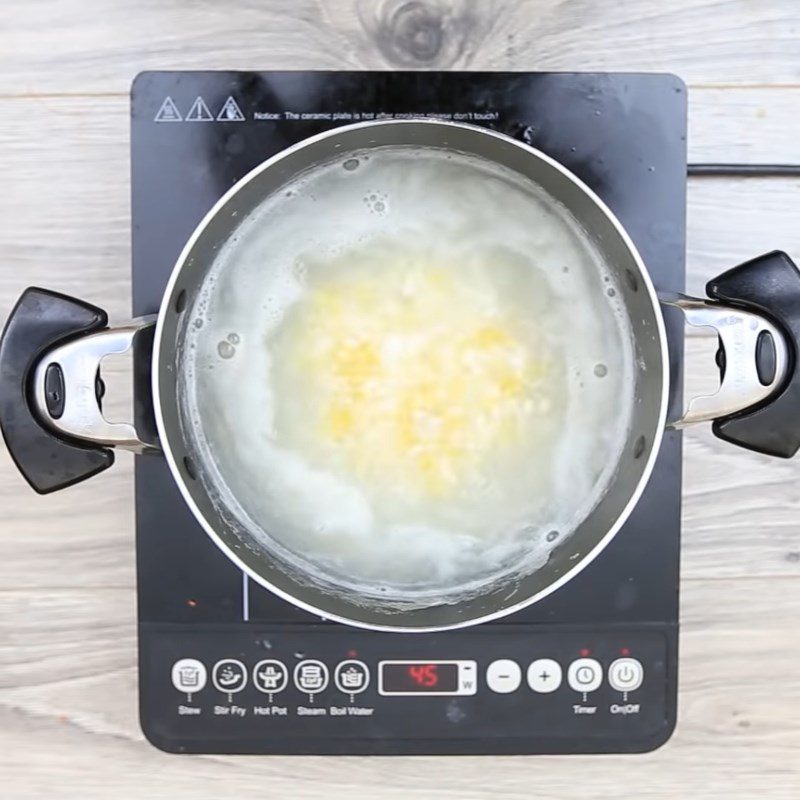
544 675
626 674
270 676
311 676
503 676
584 675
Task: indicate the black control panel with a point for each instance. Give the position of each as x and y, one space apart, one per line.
294 689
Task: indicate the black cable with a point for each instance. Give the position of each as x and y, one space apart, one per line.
744 170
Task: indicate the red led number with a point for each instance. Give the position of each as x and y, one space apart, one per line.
424 675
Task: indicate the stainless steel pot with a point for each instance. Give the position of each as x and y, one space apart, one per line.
52 346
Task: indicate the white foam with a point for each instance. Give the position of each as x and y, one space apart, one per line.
508 246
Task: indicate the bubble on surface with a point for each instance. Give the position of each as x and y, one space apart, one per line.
226 349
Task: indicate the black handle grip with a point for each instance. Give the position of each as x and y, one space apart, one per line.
40 320
769 285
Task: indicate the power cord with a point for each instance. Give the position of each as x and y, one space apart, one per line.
744 170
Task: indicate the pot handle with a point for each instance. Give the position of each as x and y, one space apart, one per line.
51 392
755 309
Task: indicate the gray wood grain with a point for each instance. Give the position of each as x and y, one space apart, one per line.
732 219
91 45
747 124
68 726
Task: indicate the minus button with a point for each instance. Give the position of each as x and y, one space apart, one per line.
503 676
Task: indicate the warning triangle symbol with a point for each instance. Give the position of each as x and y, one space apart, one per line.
199 112
168 112
230 112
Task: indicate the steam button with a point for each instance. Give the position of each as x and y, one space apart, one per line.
311 676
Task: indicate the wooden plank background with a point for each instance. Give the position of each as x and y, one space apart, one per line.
68 726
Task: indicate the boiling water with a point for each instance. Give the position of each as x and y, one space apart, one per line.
408 374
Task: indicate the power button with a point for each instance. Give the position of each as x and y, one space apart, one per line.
625 675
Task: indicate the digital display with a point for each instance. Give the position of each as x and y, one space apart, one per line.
418 677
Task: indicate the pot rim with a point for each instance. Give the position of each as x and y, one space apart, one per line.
582 562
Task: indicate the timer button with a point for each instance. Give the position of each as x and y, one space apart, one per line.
544 675
584 675
626 674
503 676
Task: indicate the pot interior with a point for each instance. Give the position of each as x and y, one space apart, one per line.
648 368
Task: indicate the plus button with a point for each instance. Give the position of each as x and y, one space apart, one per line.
544 675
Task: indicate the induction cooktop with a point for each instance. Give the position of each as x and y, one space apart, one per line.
227 667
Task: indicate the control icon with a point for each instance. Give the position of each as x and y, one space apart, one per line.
270 676
544 675
584 675
229 676
503 676
351 677
625 675
311 676
189 676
